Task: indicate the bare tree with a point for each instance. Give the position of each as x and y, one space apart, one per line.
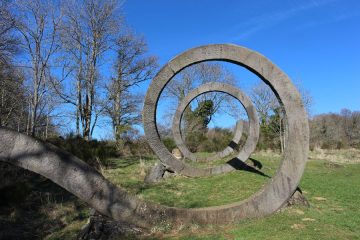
38 25
335 130
8 41
264 101
87 34
193 76
196 75
132 67
13 100
12 92
272 114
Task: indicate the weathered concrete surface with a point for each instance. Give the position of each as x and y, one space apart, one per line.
298 132
86 183
155 174
252 139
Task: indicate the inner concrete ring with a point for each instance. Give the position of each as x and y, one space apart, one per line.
251 140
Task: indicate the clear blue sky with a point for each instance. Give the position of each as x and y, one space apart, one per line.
316 42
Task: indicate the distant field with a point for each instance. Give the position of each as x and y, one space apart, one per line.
338 156
332 188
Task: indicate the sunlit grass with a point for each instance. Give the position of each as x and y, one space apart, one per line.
333 191
188 192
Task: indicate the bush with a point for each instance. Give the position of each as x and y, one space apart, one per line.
194 139
169 143
94 152
217 140
134 147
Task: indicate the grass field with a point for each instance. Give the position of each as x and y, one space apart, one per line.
333 190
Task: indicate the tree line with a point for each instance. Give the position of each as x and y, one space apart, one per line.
336 130
78 60
54 54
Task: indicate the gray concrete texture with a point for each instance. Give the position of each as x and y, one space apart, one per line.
251 140
89 185
251 60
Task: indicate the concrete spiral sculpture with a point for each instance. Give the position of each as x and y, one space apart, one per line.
251 141
83 181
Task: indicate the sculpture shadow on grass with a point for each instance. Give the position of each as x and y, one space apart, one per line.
242 166
257 164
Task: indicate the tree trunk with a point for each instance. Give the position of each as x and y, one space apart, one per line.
78 92
116 117
90 90
2 104
36 83
281 135
47 127
33 115
86 131
28 119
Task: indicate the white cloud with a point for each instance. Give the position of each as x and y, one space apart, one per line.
258 23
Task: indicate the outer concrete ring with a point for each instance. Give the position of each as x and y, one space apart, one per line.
283 184
253 137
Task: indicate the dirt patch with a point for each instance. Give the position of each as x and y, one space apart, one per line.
297 226
298 212
319 198
308 220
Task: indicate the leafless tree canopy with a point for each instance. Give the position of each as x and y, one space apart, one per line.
61 60
8 41
76 64
132 67
336 130
196 75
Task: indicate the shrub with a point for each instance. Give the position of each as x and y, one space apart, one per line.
217 139
169 143
94 152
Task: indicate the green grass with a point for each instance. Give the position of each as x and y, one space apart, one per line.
192 192
333 191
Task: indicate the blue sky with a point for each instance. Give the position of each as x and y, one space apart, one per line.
317 43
